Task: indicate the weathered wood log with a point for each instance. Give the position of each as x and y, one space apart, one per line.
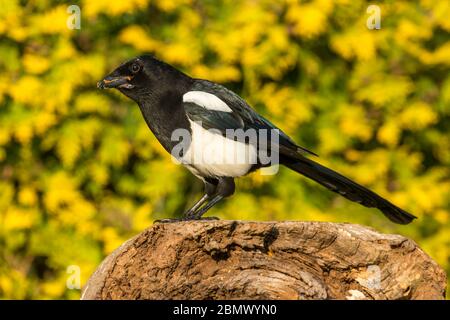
266 260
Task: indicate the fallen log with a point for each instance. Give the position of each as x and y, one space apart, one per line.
266 260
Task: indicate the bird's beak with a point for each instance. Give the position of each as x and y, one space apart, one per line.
115 82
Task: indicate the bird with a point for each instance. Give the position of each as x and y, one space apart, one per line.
171 101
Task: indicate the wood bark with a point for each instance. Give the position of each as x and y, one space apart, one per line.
266 260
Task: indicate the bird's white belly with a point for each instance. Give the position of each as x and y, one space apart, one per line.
211 154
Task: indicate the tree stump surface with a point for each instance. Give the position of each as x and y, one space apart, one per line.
266 260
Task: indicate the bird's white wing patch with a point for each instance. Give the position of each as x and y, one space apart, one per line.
206 100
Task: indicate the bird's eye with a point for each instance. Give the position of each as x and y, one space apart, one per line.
135 68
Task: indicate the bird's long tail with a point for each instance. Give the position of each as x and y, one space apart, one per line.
347 188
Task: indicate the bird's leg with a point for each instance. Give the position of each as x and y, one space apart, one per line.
198 215
210 191
196 206
225 188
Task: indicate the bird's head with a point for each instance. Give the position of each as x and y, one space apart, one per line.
141 77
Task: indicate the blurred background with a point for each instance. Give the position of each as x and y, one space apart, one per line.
80 172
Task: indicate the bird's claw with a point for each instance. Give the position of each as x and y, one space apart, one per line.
168 220
206 218
186 218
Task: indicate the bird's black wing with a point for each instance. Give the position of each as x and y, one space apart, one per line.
213 119
241 117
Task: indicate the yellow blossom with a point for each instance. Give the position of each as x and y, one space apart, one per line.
35 64
310 19
27 196
389 133
417 116
138 38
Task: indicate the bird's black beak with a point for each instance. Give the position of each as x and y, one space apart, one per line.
115 82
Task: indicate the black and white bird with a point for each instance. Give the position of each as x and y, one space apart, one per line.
171 100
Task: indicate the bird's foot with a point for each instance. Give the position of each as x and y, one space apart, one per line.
169 220
187 218
206 218
194 216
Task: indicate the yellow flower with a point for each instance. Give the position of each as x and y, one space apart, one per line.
27 196
112 8
222 73
442 54
442 216
310 20
35 64
53 288
138 38
43 121
417 116
385 91
181 53
170 5
60 189
16 218
389 133
27 90
354 123
358 43
111 239
53 21
23 132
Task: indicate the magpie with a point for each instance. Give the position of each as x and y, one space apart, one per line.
170 100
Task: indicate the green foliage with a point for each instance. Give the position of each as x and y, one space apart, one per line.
80 172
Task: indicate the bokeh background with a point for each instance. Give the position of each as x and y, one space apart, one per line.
80 172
